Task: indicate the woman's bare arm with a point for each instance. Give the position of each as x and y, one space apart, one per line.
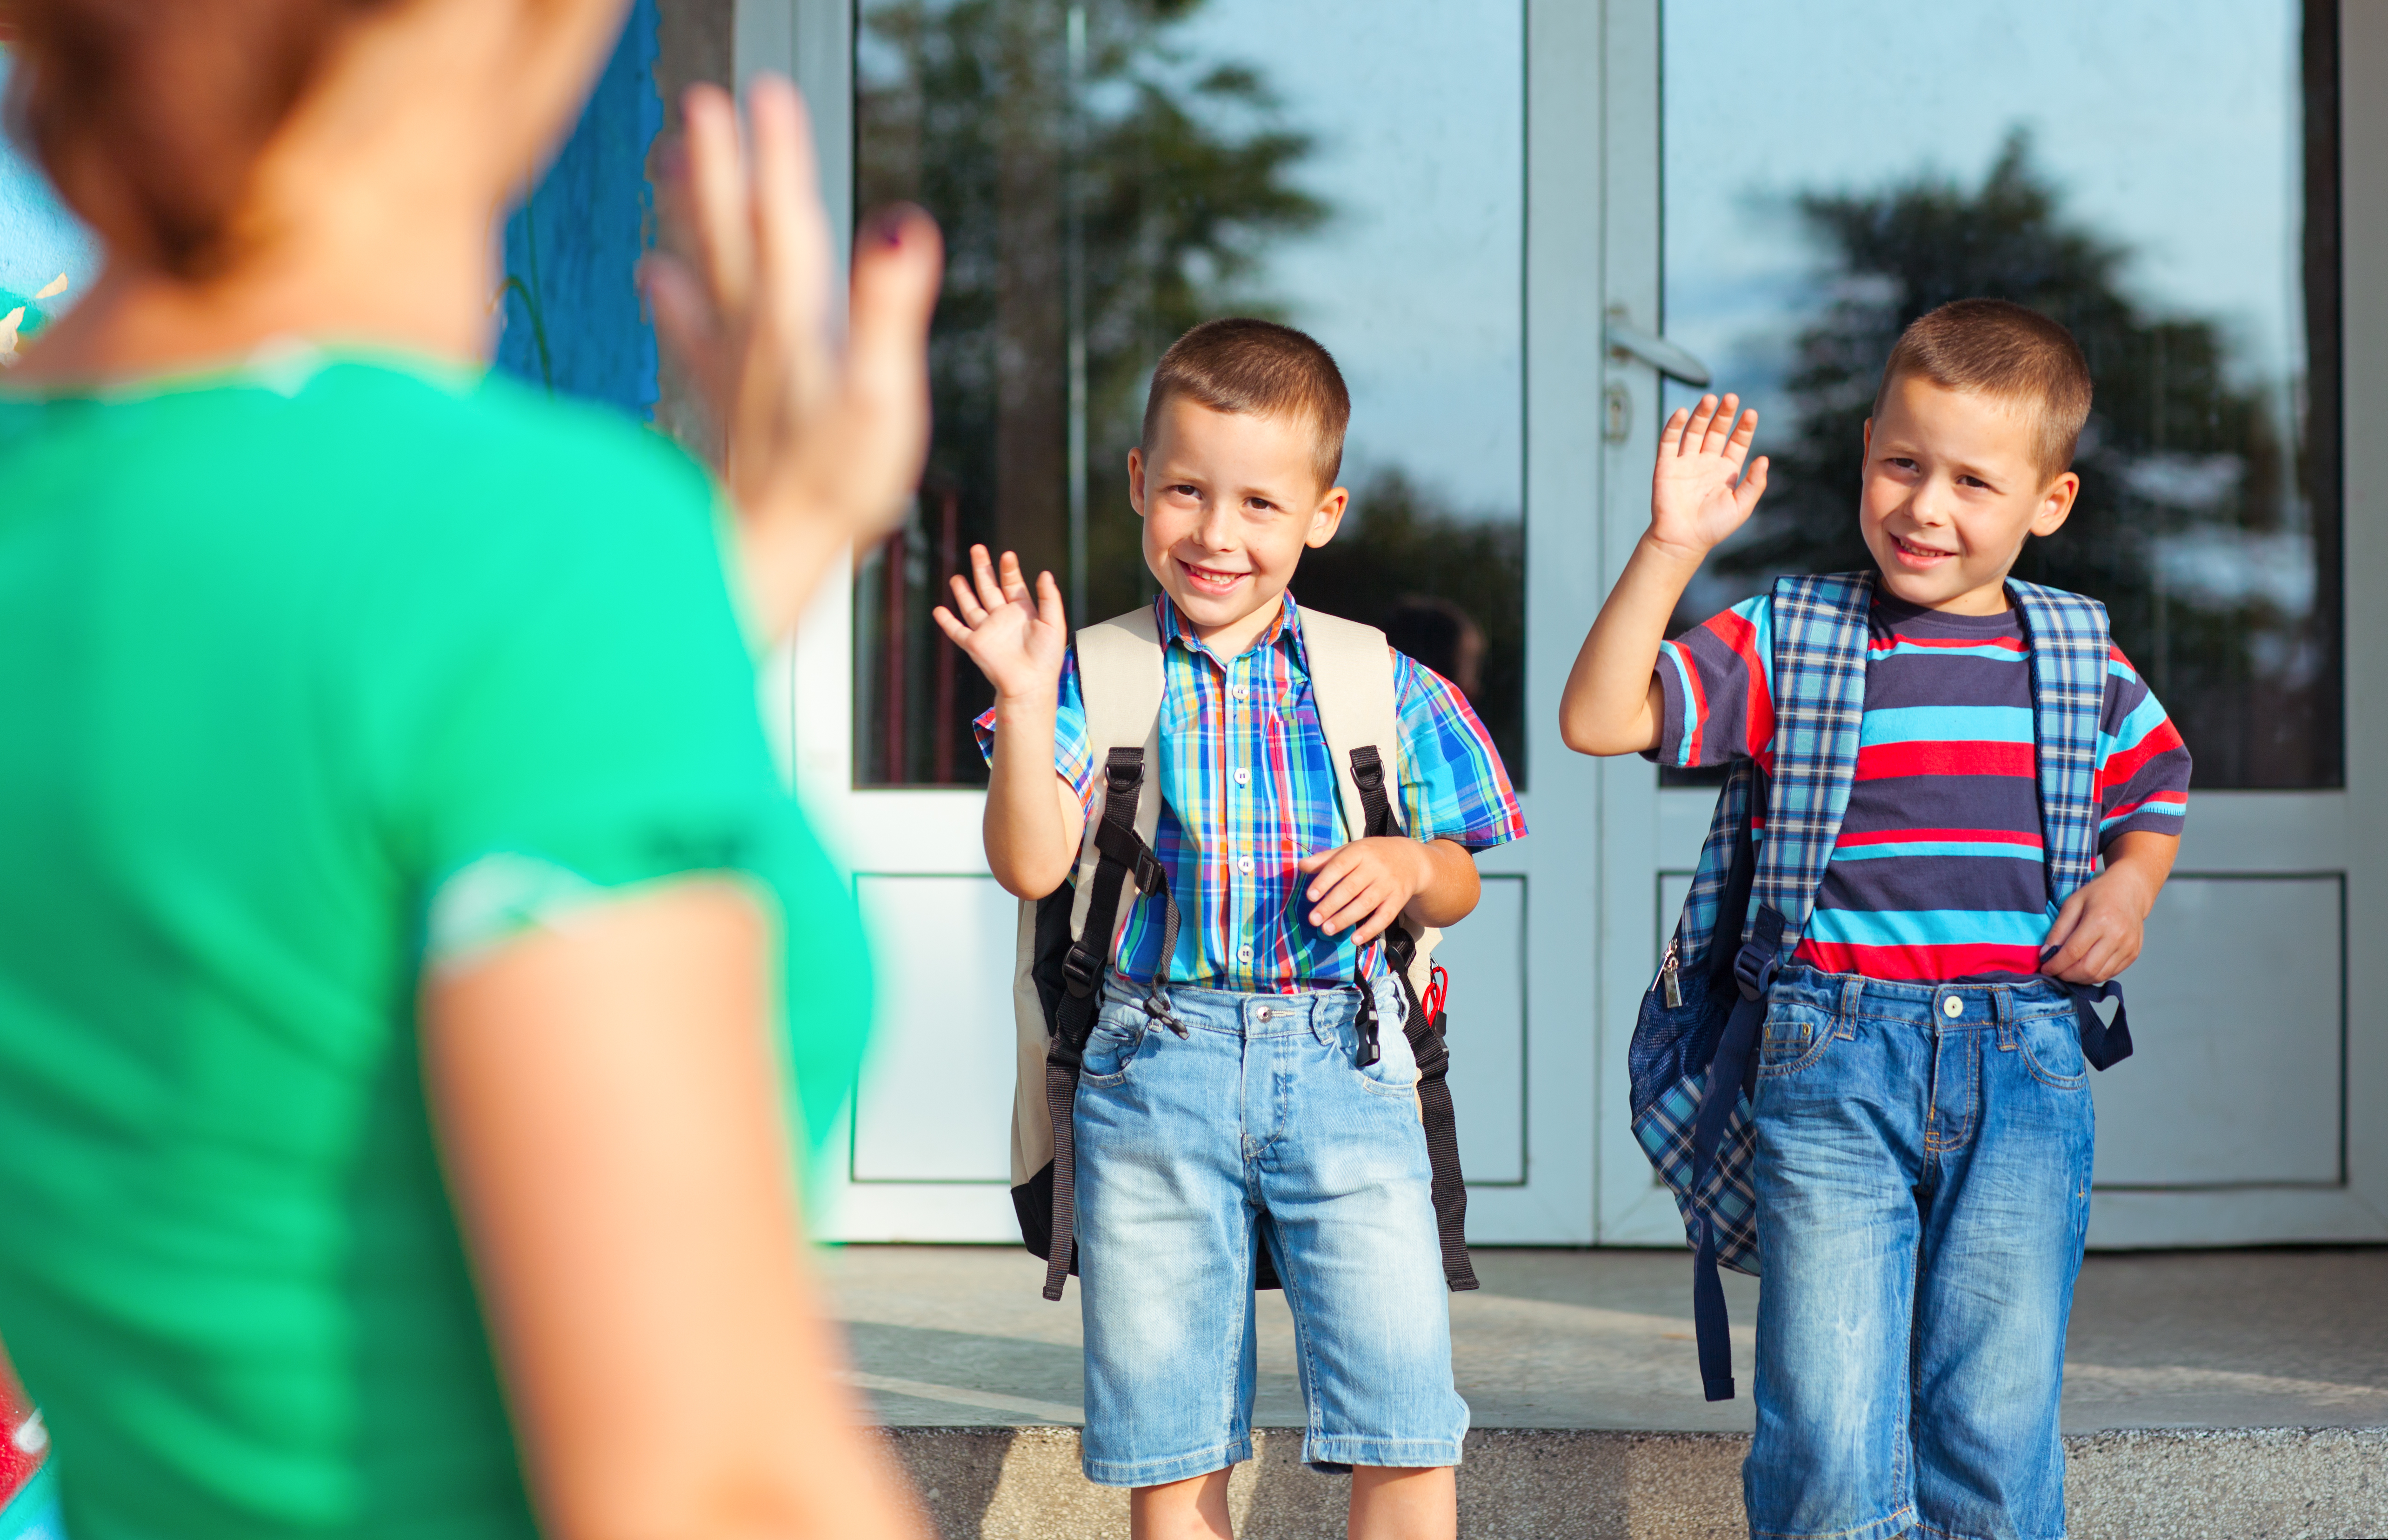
609 1103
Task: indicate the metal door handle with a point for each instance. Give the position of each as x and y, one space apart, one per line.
1630 341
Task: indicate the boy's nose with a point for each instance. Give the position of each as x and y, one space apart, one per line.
1212 531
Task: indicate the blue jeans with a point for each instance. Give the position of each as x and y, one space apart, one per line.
1257 1126
1923 1177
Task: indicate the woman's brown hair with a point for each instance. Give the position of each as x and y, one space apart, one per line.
149 116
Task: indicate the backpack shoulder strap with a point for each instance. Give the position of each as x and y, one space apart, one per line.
1820 663
1352 687
1359 714
2068 636
1119 681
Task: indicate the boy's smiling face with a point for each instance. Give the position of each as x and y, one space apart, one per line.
1229 499
1952 489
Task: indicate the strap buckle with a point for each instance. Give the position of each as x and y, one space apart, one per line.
1081 971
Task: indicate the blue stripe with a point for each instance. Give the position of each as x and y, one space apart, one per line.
1903 648
1938 848
1691 720
2133 730
1929 928
1948 724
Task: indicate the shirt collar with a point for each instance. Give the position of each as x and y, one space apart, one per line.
1172 627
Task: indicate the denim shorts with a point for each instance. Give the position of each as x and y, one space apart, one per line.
1923 1179
1256 1127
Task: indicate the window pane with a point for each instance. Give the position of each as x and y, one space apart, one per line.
2137 170
1109 174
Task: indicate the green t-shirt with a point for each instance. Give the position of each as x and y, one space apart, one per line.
300 666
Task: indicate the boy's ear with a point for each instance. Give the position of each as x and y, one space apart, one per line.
2056 505
1135 481
1328 517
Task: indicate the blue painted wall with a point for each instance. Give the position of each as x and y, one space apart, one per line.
39 240
573 321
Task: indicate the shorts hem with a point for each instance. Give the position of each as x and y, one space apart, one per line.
1172 1467
1934 1531
1885 1527
1341 1454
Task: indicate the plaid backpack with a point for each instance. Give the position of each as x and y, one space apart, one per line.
1698 1030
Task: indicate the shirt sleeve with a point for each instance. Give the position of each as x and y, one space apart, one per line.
2143 767
1718 685
1453 784
1072 760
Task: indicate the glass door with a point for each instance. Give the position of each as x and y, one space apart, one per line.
1108 173
1791 185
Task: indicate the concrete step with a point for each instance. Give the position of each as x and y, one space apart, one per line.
1560 1484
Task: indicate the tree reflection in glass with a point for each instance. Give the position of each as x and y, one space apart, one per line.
1108 173
2208 516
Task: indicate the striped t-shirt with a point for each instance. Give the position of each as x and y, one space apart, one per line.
1938 871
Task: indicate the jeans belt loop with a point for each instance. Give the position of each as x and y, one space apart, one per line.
1852 998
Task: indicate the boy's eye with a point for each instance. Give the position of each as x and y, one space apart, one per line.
1898 462
1973 481
1260 505
1185 488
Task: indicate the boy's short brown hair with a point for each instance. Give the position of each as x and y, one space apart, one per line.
1236 364
2007 352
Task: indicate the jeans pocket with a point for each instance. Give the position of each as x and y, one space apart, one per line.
1395 1073
1794 1038
1112 1046
2051 1051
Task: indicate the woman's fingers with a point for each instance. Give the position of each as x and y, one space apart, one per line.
790 235
717 228
899 263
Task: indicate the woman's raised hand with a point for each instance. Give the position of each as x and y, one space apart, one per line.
1016 635
819 449
1699 492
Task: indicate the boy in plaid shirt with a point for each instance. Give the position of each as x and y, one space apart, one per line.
1257 1124
1921 1113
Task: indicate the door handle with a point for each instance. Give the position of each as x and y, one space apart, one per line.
1630 341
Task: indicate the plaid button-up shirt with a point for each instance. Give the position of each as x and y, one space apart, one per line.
1248 789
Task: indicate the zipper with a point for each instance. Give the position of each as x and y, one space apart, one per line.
1671 983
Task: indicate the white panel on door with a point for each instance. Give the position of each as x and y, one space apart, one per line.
2237 1012
936 1104
1485 955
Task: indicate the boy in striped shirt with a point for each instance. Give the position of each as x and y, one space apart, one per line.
1254 1119
1923 1118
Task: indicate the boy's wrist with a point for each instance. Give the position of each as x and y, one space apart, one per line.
1674 553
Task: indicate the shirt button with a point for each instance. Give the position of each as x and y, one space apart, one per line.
1243 954
1243 691
1245 866
1951 1007
1243 778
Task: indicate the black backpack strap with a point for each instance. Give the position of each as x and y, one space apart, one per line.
1120 853
1427 1046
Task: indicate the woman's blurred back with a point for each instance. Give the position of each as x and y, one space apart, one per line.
387 835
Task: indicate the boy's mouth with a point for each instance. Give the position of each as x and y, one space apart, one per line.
1918 556
1203 580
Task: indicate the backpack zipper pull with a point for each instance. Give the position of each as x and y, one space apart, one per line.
1671 983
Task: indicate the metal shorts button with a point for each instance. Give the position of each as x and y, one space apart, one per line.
1260 1014
1951 1006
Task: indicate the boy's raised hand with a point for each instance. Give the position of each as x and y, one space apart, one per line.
1017 638
1699 491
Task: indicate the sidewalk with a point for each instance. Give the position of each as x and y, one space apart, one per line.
2182 1370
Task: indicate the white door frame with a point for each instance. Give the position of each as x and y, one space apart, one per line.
1645 830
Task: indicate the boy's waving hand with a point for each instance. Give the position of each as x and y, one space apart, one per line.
1699 494
1017 638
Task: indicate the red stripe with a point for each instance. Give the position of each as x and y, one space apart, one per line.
1918 964
2010 643
1953 757
1740 634
2174 804
1697 708
2125 763
1967 836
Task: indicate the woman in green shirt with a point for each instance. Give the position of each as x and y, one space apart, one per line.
394 883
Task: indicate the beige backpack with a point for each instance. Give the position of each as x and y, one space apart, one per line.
1057 983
